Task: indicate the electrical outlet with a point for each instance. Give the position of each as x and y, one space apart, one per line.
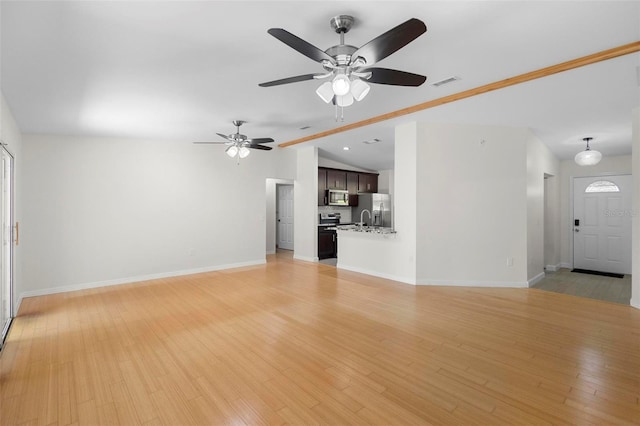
509 261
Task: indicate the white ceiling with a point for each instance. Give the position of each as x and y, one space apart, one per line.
185 70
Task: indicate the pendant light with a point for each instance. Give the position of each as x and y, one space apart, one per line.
588 157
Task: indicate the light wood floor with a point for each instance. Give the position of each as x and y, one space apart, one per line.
617 290
301 343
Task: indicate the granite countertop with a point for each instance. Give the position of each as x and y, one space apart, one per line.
365 229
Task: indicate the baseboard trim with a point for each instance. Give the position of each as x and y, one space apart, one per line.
533 281
271 252
552 268
565 265
139 278
391 277
635 303
464 283
305 258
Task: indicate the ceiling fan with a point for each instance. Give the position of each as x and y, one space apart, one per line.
238 144
349 67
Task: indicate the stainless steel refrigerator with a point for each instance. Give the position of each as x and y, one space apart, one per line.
379 207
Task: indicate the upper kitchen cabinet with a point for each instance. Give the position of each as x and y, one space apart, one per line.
336 179
368 182
352 182
322 187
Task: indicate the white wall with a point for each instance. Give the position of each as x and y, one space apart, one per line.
635 261
11 136
540 162
385 181
568 170
105 211
305 205
472 205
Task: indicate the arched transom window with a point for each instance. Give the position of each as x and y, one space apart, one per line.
602 186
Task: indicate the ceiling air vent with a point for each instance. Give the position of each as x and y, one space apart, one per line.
372 141
445 81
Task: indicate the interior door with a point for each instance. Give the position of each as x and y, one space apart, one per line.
602 223
284 216
6 247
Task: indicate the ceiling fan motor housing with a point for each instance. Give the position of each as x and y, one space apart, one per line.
341 53
342 23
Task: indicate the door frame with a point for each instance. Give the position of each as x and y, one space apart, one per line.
271 220
570 218
12 230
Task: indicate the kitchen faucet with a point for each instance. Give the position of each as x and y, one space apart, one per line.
362 214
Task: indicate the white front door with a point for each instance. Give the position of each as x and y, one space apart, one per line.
602 223
284 217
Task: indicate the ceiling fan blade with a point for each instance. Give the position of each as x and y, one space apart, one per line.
394 77
391 41
260 140
220 143
295 42
262 147
223 136
288 80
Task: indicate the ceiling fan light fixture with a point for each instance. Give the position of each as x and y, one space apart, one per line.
341 85
359 89
325 91
244 152
588 157
232 151
345 100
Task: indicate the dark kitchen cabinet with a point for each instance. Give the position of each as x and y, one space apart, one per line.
322 187
368 182
327 244
352 182
336 179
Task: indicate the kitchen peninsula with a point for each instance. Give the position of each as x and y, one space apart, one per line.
369 251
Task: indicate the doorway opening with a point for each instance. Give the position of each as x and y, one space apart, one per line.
284 216
6 248
549 215
279 215
599 229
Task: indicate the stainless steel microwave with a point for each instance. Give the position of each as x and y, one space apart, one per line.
337 197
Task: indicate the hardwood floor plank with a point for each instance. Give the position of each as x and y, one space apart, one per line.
124 404
293 342
213 396
383 407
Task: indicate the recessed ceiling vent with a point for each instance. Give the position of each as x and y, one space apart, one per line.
305 127
445 81
372 141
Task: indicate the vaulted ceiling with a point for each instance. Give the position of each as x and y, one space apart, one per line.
185 70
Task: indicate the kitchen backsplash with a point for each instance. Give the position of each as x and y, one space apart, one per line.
345 212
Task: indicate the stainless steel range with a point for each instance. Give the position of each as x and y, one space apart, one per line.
327 236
